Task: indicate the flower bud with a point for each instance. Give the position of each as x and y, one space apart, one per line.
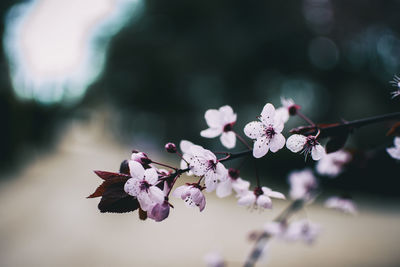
170 148
293 109
233 173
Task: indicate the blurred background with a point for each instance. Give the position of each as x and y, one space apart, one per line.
84 82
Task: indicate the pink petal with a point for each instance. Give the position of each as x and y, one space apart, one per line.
213 118
317 152
156 194
227 114
136 169
261 147
247 199
264 202
254 129
185 146
179 191
224 189
151 176
268 114
211 132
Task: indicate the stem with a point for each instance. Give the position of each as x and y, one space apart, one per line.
257 176
304 117
264 237
242 140
335 129
238 155
165 165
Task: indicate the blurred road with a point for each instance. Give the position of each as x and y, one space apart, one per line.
45 220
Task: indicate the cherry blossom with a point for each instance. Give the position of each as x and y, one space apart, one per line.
288 108
186 154
332 164
203 162
305 144
394 152
261 197
142 185
233 181
266 132
192 196
395 83
159 212
141 158
220 123
343 204
302 184
296 231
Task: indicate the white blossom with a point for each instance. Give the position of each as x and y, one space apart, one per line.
266 132
302 230
302 184
186 154
332 164
233 181
203 162
191 195
306 145
142 186
283 113
220 123
260 197
345 205
394 152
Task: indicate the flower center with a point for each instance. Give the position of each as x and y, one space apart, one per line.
270 132
212 165
144 186
258 191
228 127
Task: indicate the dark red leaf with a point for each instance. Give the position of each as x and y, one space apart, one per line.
115 199
108 175
102 188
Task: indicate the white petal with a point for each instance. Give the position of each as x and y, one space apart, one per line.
180 190
247 199
273 194
221 171
227 114
211 132
394 152
210 181
397 141
156 194
264 202
268 114
151 176
282 114
277 142
131 186
261 147
136 169
145 202
240 186
224 188
278 126
228 139
254 129
296 142
213 118
317 152
185 146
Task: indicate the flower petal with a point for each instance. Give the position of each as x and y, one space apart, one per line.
397 141
254 129
131 186
224 188
136 169
185 146
211 132
178 192
151 176
156 194
264 202
268 114
296 142
213 118
282 114
228 139
227 114
317 152
211 181
247 199
277 142
261 147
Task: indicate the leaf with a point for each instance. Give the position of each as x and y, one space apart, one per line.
102 188
115 199
108 175
336 143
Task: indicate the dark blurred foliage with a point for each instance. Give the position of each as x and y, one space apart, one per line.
181 57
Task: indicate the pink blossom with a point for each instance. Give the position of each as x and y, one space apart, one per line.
159 212
332 164
302 184
203 162
141 158
192 196
260 197
343 204
220 123
288 108
266 132
142 185
233 181
394 152
309 144
186 154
